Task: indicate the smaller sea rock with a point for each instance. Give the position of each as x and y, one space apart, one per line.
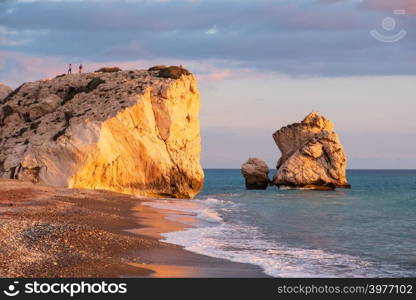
255 172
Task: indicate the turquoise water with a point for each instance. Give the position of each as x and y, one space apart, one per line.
369 230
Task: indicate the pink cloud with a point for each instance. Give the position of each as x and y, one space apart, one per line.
339 21
383 5
17 68
391 5
330 1
219 75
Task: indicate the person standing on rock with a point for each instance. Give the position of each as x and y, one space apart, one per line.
70 69
80 69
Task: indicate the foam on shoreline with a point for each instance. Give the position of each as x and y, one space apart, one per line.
211 233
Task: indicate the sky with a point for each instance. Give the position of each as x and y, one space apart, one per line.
260 64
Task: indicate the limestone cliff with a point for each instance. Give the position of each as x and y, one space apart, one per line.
131 131
312 155
4 91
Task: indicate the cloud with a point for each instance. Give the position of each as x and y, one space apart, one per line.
331 1
389 6
7 38
300 38
17 68
212 30
159 16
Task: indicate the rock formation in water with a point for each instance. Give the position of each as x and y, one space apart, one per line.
135 132
255 172
4 91
312 155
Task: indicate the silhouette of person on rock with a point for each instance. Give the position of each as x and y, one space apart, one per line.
80 68
70 69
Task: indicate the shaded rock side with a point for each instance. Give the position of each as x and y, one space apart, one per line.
312 155
129 131
255 172
4 91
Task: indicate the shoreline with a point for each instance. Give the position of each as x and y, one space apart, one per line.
175 261
58 232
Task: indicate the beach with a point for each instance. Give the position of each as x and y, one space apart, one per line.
58 232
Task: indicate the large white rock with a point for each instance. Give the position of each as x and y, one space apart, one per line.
312 155
130 131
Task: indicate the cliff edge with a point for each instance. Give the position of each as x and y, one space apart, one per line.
4 91
134 132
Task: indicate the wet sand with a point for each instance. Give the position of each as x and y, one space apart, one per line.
174 261
57 232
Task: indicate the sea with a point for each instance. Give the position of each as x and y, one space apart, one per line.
366 231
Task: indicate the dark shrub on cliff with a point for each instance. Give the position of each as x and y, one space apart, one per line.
109 70
173 72
157 68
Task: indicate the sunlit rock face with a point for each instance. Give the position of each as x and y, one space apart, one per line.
4 91
312 155
130 131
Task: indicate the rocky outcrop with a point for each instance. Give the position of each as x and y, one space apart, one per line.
127 131
255 172
312 155
4 91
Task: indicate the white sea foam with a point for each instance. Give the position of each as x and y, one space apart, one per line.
203 212
245 244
